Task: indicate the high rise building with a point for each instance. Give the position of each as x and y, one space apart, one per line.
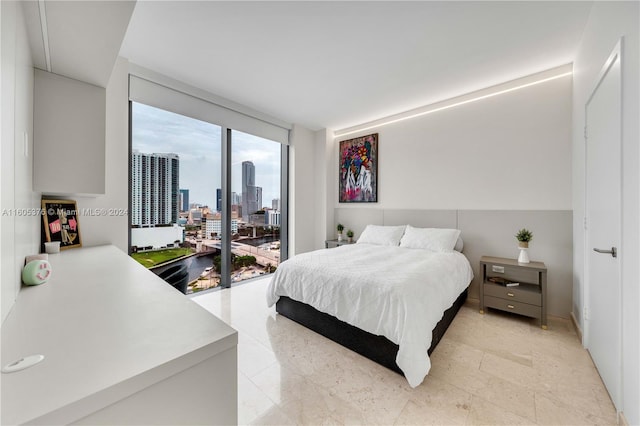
236 199
248 173
275 204
236 210
154 189
273 218
259 198
213 227
249 200
184 200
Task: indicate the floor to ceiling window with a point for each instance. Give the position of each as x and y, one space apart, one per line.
175 215
183 227
255 208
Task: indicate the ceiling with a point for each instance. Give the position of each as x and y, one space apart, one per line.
338 64
83 38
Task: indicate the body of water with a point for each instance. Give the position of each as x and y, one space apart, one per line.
260 240
195 265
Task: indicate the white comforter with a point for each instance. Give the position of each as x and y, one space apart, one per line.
396 292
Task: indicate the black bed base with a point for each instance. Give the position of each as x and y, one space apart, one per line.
376 348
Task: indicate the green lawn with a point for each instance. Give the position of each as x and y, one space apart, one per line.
153 258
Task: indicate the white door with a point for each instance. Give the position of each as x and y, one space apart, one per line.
603 220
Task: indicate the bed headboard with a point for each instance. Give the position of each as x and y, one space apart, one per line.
422 218
357 219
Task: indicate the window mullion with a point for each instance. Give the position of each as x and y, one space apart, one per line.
225 242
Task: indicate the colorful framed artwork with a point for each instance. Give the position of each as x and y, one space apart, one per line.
60 220
359 170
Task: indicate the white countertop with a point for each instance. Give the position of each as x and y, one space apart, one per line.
107 328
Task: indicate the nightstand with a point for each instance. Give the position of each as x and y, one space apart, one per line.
336 243
528 298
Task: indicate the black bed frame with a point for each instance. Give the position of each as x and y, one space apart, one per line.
376 348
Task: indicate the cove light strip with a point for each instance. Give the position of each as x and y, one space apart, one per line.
383 122
45 33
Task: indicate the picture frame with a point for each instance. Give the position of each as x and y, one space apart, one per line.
358 170
60 222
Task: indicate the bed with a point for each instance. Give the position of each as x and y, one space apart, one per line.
389 297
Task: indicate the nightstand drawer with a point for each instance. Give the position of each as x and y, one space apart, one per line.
516 294
512 273
512 306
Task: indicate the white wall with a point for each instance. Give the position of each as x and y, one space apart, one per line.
325 197
110 226
20 232
302 182
607 23
508 152
511 151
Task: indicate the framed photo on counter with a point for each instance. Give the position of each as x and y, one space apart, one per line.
60 220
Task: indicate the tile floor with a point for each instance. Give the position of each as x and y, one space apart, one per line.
488 369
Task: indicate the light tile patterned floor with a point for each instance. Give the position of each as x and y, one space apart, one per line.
488 369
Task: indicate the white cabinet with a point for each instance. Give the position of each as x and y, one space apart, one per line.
121 346
69 136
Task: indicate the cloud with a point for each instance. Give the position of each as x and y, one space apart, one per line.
198 144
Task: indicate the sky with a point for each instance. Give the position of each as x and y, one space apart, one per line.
198 144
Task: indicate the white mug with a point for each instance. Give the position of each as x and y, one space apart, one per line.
52 247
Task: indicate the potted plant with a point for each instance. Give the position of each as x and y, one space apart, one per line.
350 236
340 228
524 236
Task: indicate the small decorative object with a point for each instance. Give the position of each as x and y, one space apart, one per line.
358 164
52 247
40 256
524 236
340 228
60 221
350 236
36 272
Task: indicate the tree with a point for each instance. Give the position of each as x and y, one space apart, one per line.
240 261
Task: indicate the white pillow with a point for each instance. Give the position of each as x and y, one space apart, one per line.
435 239
381 235
459 245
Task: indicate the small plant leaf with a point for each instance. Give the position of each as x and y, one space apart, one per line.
524 235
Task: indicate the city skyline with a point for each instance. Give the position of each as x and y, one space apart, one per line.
198 145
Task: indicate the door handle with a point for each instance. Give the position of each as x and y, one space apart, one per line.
613 252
